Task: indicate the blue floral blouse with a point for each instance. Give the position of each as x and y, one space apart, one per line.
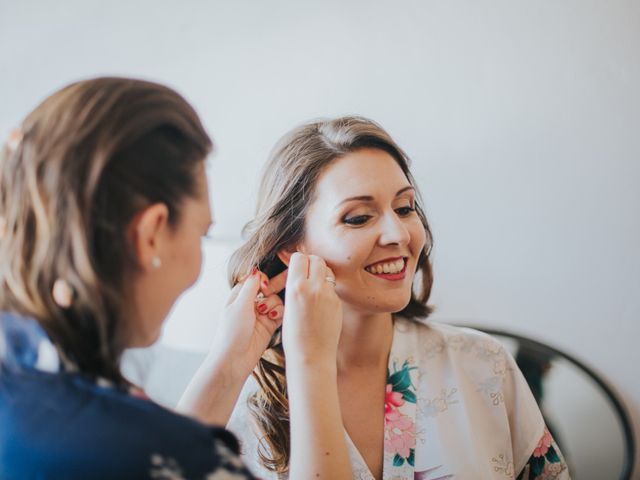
56 423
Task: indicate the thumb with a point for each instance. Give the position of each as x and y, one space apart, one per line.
249 289
234 293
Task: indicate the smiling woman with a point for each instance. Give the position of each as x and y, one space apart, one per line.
417 399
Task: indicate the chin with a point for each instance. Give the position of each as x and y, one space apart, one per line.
153 338
144 340
387 306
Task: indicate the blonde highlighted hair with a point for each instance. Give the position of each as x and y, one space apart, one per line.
89 158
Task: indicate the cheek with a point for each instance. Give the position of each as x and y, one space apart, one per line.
190 261
418 236
342 253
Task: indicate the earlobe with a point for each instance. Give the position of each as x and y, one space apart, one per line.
285 254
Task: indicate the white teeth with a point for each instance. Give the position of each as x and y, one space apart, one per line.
387 267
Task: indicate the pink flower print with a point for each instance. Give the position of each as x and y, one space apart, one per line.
543 444
400 436
392 400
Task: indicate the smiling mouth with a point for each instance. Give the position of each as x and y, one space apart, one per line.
390 269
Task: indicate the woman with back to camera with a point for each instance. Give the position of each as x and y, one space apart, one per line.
417 399
103 204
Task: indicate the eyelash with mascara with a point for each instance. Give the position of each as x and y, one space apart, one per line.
362 219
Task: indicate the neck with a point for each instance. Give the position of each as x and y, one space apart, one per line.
365 340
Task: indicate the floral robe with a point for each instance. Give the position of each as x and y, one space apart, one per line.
457 407
58 423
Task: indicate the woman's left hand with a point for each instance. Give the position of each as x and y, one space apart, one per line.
252 314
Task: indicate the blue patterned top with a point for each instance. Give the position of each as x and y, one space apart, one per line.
56 422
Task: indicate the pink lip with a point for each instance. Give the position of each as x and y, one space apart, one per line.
391 276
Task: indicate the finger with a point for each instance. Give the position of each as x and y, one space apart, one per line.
249 289
330 274
234 293
298 267
271 324
275 284
242 278
317 269
276 313
268 303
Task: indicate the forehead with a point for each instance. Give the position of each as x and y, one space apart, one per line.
364 172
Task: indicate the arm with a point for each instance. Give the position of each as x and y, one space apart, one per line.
318 446
213 391
242 337
311 329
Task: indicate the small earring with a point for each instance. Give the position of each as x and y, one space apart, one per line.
156 262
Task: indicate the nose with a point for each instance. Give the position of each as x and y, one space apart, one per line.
393 230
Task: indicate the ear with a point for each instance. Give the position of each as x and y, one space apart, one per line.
285 254
146 233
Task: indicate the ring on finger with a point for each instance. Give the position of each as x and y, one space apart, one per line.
259 297
331 280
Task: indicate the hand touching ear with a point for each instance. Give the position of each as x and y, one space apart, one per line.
313 316
253 313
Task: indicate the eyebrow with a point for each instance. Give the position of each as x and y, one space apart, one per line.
369 198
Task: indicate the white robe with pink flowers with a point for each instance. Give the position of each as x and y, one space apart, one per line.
457 407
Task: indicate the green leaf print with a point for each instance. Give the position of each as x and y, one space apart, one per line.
409 396
400 380
412 457
552 455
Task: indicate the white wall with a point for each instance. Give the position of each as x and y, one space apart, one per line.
522 119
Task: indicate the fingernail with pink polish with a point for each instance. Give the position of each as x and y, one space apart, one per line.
262 307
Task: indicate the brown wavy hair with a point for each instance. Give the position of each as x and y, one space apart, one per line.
91 156
285 194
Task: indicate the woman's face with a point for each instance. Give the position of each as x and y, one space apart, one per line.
363 223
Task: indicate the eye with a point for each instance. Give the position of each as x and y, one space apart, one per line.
405 211
356 220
